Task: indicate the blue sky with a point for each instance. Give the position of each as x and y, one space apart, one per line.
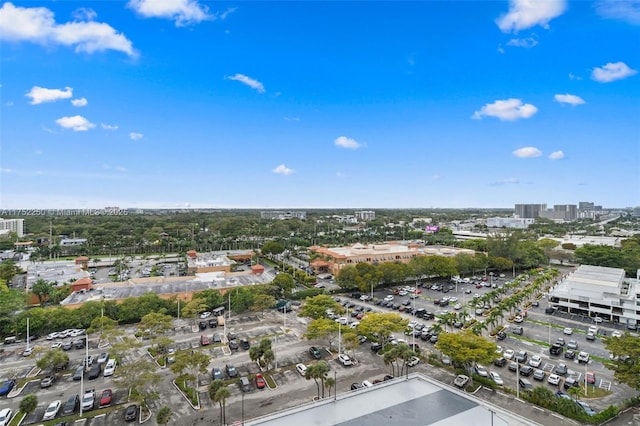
180 103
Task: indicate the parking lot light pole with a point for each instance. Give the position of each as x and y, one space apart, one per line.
517 379
339 335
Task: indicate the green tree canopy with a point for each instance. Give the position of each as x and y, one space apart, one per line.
466 349
141 377
154 324
316 307
42 289
626 350
381 325
272 247
28 404
285 283
54 359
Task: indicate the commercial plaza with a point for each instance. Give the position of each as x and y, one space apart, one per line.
598 291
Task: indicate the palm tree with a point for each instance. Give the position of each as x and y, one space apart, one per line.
318 372
329 383
220 397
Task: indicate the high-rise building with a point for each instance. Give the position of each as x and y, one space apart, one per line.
366 215
570 210
529 210
12 225
586 205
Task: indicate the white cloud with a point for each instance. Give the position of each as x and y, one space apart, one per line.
525 14
624 10
291 119
508 181
569 99
527 43
41 95
77 123
136 136
283 170
5 170
572 76
500 49
345 142
79 102
109 126
611 72
38 25
527 152
84 14
556 155
506 110
183 12
254 84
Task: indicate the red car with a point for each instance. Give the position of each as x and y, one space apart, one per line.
417 291
260 382
591 377
105 398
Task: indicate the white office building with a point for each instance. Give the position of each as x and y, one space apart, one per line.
598 291
510 222
12 225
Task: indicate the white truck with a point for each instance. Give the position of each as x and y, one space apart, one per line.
88 399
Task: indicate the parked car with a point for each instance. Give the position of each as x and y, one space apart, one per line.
496 378
131 413
110 368
522 356
526 370
47 381
95 371
568 331
517 330
525 384
583 357
7 387
244 344
204 340
591 336
79 344
481 371
233 345
509 354
586 408
553 379
216 374
356 386
231 371
260 381
5 416
535 361
301 369
555 349
103 358
413 361
105 398
538 374
500 362
52 410
573 345
77 375
570 354
245 385
561 370
461 381
72 405
344 360
591 377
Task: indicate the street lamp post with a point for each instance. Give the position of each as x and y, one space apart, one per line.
339 336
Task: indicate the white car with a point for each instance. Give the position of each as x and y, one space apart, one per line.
499 349
593 329
301 369
535 361
205 315
496 378
5 416
568 331
367 384
402 293
344 360
364 297
553 379
616 334
413 361
342 320
26 352
453 300
52 410
110 368
518 319
56 345
482 371
52 336
388 298
509 354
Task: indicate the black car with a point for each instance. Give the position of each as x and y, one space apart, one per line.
79 344
231 336
71 406
376 347
356 386
131 413
202 325
95 371
526 370
570 354
231 371
555 349
213 322
244 344
501 335
500 362
233 345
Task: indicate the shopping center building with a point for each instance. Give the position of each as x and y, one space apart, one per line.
598 291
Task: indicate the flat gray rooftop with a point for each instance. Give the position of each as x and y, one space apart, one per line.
416 401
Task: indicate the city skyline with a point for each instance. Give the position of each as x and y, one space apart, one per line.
294 105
